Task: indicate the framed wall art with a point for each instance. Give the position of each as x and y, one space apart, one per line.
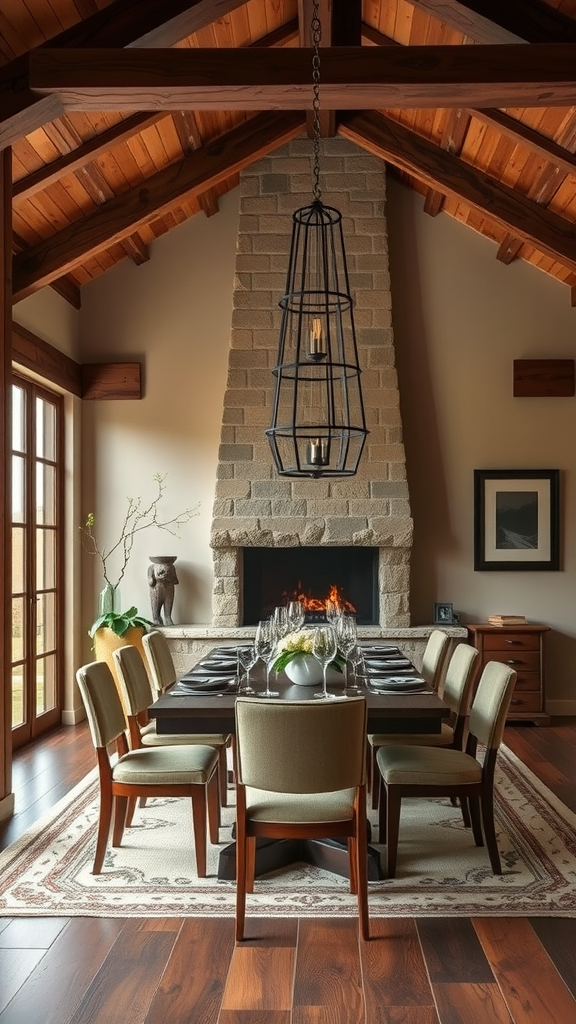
516 519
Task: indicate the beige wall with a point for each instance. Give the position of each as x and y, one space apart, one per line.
173 313
460 319
53 319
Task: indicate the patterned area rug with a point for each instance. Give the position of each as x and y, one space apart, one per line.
440 870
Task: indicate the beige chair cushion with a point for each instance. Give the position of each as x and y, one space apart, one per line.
150 738
103 708
433 739
133 679
426 766
299 807
166 766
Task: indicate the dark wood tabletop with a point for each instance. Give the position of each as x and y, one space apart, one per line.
214 713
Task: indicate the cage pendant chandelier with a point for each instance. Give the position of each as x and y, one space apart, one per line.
318 422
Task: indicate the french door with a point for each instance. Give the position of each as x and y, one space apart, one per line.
37 422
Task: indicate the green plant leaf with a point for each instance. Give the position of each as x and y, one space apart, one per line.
120 622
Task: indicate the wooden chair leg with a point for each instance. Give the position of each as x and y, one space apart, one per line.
131 808
381 810
250 863
198 794
103 829
223 775
393 802
361 856
353 865
465 812
374 776
120 808
474 806
213 808
487 803
240 878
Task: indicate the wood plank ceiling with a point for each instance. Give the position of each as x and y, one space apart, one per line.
116 139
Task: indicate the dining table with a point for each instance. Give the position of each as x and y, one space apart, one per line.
197 704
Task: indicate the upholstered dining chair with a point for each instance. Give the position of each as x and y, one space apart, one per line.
182 771
436 771
300 774
432 670
434 658
163 675
458 683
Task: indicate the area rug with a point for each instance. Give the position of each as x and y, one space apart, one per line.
440 870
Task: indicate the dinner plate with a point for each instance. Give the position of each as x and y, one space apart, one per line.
387 663
214 667
399 684
382 650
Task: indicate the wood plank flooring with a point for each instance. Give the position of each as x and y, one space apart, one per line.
415 971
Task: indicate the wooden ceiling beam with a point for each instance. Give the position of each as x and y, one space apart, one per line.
63 286
83 154
124 214
502 21
352 78
415 155
134 23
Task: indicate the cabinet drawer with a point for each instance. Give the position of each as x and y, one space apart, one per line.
511 641
524 702
520 661
526 681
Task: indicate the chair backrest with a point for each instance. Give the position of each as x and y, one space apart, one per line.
159 660
133 680
310 746
434 657
491 703
103 705
459 678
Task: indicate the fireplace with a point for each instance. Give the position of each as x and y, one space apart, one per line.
273 576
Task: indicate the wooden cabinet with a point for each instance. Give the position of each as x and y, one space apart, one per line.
522 648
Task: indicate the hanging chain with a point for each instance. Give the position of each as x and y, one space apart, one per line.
316 36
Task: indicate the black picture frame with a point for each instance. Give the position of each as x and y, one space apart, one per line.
516 520
443 614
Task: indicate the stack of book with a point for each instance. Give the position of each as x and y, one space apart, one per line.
506 620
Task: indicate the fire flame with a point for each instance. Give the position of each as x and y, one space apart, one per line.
319 604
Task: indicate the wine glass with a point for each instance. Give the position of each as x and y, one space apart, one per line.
281 624
265 647
247 658
295 614
331 611
347 637
324 648
359 668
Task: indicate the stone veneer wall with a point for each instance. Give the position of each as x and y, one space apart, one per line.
254 506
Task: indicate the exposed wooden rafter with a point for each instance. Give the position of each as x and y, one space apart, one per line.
413 154
502 21
199 171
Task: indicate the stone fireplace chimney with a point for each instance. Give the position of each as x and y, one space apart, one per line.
254 507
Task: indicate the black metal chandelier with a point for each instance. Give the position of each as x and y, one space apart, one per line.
318 422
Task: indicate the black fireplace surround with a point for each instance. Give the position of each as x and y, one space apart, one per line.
273 576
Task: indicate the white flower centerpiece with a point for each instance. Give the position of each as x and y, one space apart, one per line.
294 657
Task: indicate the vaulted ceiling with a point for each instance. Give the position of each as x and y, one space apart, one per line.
125 118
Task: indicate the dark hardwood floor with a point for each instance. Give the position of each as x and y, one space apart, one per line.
416 971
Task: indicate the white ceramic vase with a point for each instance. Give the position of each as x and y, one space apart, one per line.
306 670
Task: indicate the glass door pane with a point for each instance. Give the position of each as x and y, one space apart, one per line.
36 560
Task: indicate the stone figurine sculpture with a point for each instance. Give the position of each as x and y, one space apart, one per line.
162 579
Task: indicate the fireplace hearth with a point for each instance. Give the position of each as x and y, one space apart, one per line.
273 576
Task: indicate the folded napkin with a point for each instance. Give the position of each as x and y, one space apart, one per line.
200 686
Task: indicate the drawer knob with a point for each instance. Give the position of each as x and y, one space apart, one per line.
513 641
515 701
513 661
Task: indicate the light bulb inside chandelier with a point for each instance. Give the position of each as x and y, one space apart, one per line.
318 423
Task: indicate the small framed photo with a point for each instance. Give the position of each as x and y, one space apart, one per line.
443 614
516 519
